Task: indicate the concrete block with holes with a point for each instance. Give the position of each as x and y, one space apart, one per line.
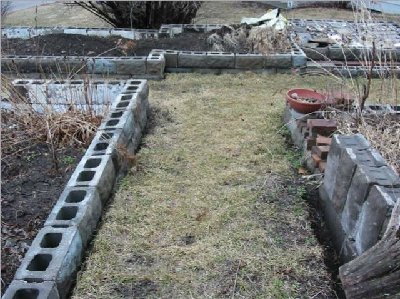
134 66
155 65
298 58
80 207
119 119
102 65
19 289
54 256
374 216
220 60
363 179
96 171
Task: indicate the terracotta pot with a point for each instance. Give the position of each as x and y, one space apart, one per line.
303 106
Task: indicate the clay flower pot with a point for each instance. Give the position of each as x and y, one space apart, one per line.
305 100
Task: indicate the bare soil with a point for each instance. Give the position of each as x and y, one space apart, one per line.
81 45
29 189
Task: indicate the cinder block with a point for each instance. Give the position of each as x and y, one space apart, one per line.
54 256
278 61
220 60
155 65
95 171
363 179
101 66
79 207
317 53
249 61
192 59
298 59
374 216
194 28
211 27
339 53
134 103
119 119
171 58
19 289
134 65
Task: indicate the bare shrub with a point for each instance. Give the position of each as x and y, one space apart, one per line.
142 14
5 9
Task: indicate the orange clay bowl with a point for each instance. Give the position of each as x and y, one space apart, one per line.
304 106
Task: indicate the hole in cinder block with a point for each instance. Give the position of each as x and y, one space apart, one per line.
40 262
22 82
116 114
51 240
59 82
131 88
92 163
106 136
60 226
37 82
113 82
101 146
112 122
76 82
26 294
67 213
126 97
86 176
123 104
75 196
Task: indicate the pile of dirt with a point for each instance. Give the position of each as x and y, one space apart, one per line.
81 45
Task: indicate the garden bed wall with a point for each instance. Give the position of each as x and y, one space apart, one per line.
358 194
313 35
50 265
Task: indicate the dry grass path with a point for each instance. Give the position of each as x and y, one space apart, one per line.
212 210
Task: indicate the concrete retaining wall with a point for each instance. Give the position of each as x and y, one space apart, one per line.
358 193
50 265
134 66
167 30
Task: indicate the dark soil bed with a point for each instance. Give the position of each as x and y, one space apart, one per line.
81 45
29 189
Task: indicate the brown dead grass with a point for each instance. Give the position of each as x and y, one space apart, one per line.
212 210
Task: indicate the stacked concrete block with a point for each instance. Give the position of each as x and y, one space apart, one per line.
101 65
299 58
354 194
278 61
155 65
249 61
220 60
134 65
191 59
19 289
364 178
53 258
98 172
194 28
78 207
374 215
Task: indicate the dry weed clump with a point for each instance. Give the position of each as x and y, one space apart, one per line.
23 126
381 130
257 40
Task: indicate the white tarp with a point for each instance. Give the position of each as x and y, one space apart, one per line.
271 19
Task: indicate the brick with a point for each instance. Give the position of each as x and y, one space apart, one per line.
316 159
321 151
310 142
31 290
322 140
323 127
322 166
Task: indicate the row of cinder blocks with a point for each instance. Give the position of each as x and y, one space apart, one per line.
358 192
134 34
151 66
225 60
49 266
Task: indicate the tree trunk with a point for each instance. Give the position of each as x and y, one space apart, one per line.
376 273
